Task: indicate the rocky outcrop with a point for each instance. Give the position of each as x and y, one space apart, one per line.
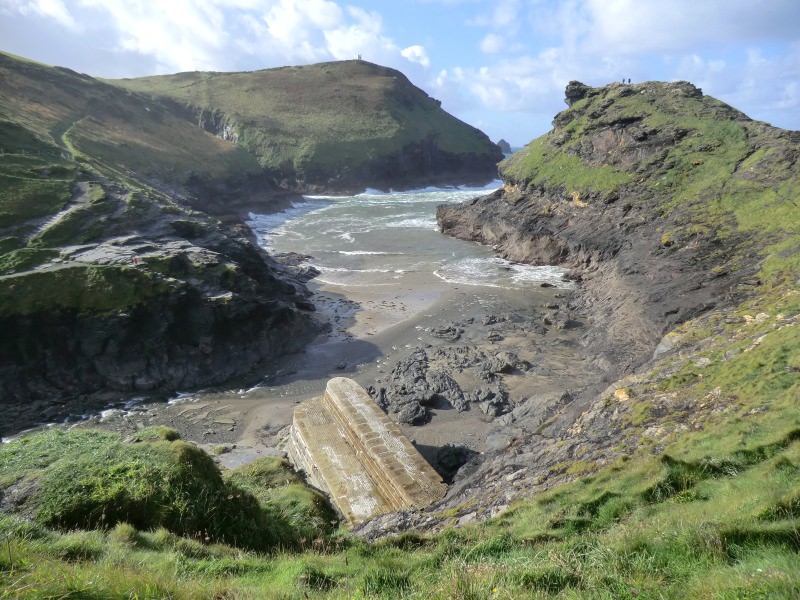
413 388
184 303
618 230
639 190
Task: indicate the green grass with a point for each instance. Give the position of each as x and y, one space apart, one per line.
541 165
88 125
721 526
84 289
25 258
23 199
92 480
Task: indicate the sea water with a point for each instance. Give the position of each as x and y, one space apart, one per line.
383 239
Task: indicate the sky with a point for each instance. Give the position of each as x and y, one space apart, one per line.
499 65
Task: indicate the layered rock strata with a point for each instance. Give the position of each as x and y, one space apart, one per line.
350 450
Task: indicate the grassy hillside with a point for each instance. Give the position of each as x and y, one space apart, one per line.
54 120
92 179
328 116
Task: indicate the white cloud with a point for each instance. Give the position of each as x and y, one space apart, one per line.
492 43
363 35
416 54
50 9
185 35
632 26
181 34
505 13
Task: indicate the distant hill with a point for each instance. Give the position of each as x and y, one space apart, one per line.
332 126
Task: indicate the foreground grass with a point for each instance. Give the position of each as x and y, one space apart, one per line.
688 526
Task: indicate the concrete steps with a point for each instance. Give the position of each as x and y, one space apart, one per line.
350 449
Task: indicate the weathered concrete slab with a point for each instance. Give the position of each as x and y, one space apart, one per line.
351 450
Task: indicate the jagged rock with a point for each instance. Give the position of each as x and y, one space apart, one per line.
575 91
413 413
450 332
493 399
536 411
505 362
492 319
443 386
494 336
450 458
412 383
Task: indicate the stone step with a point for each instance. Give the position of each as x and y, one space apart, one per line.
351 450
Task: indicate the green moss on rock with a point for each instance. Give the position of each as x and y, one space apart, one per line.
81 288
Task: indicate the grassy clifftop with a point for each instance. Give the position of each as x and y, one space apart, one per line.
702 167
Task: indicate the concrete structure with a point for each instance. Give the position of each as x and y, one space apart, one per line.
350 449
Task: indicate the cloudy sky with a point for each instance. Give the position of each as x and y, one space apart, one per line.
500 65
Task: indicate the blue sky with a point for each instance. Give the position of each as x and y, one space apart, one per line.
500 65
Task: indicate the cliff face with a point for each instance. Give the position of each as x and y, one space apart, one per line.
111 282
155 299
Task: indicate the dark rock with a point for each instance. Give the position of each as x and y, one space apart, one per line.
575 91
221 310
493 399
494 336
444 387
411 382
450 458
413 413
304 304
505 362
450 332
492 319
